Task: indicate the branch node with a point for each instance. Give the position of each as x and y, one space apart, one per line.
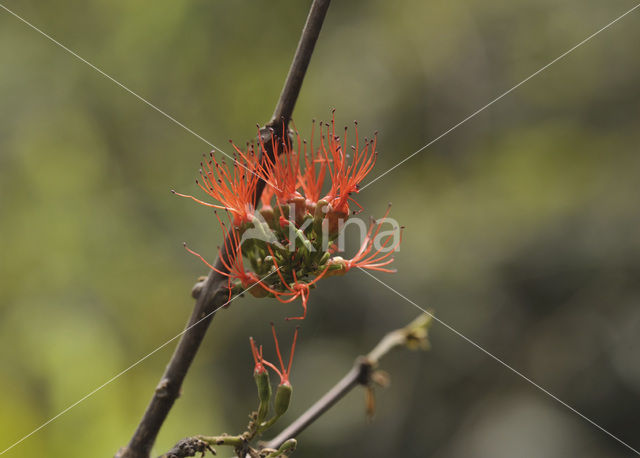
197 288
365 368
188 446
162 390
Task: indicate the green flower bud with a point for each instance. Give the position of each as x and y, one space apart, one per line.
283 398
264 393
263 384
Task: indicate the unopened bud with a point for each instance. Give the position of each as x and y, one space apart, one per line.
322 206
268 214
251 284
299 208
311 206
258 291
283 398
261 376
337 266
336 220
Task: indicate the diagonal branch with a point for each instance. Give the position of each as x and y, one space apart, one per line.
414 335
212 293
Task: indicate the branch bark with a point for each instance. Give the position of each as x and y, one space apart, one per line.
293 83
213 294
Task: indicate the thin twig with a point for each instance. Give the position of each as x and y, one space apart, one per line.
414 335
213 294
358 375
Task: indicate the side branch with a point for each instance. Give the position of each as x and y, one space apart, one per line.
414 335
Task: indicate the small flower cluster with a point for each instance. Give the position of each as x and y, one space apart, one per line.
285 246
263 383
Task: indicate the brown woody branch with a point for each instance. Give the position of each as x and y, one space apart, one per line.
301 59
212 294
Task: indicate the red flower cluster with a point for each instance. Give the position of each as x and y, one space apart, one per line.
289 240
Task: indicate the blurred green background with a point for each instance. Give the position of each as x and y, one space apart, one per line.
522 225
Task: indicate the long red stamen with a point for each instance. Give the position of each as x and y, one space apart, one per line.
283 372
345 176
281 170
257 356
367 258
313 177
232 261
233 187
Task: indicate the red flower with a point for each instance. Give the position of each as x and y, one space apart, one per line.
346 176
257 358
283 372
233 187
368 257
281 171
234 265
266 198
312 179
